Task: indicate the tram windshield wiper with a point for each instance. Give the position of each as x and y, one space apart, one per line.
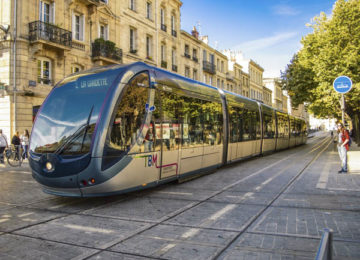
82 129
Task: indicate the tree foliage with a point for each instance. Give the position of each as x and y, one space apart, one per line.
331 50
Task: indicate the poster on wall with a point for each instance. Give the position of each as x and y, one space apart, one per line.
185 131
166 131
158 131
176 130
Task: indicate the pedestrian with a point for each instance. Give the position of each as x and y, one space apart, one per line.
16 142
3 145
343 146
25 143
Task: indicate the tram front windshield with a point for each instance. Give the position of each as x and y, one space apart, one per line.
67 119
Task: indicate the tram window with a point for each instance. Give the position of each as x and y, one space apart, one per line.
171 108
212 115
235 127
249 126
292 127
258 124
129 117
269 125
280 126
192 123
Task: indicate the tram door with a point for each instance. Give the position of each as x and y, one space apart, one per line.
170 134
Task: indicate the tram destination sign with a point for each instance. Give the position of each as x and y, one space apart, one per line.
342 84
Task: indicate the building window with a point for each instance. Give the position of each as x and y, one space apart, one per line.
210 80
132 5
187 72
148 10
195 77
173 26
194 53
44 71
103 31
149 47
222 66
173 56
218 83
187 51
212 59
163 52
204 55
76 68
205 78
133 40
78 27
162 19
47 12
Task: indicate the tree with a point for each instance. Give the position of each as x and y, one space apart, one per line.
331 50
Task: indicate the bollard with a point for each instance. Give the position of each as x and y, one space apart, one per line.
325 248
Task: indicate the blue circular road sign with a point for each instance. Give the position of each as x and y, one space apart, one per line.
342 84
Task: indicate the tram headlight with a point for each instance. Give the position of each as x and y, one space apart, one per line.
49 166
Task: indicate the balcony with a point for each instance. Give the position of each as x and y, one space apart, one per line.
174 33
163 27
163 64
209 67
56 36
187 55
106 51
174 68
195 59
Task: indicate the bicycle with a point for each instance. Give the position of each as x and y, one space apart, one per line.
14 155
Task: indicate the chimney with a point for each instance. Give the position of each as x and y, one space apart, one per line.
205 39
195 33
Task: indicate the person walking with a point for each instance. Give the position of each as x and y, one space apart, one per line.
25 143
343 146
3 145
16 142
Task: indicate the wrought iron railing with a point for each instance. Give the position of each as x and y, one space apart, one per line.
195 59
163 64
163 27
174 33
46 81
174 68
209 67
187 55
39 30
107 51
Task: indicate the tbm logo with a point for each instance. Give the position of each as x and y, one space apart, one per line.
150 160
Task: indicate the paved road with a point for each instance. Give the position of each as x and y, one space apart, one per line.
272 207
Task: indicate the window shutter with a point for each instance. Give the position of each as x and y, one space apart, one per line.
82 18
52 13
73 26
40 10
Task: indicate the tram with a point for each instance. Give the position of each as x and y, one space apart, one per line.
122 128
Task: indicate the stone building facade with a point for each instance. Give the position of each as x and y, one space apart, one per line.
55 38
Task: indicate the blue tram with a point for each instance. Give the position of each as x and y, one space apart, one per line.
120 128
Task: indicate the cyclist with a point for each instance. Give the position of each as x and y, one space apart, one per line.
16 142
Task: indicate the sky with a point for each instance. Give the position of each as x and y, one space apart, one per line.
266 31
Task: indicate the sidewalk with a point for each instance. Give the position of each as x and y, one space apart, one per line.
354 158
7 167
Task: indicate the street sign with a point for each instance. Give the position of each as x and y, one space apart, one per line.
342 84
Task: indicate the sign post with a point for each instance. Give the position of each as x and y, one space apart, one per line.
342 85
